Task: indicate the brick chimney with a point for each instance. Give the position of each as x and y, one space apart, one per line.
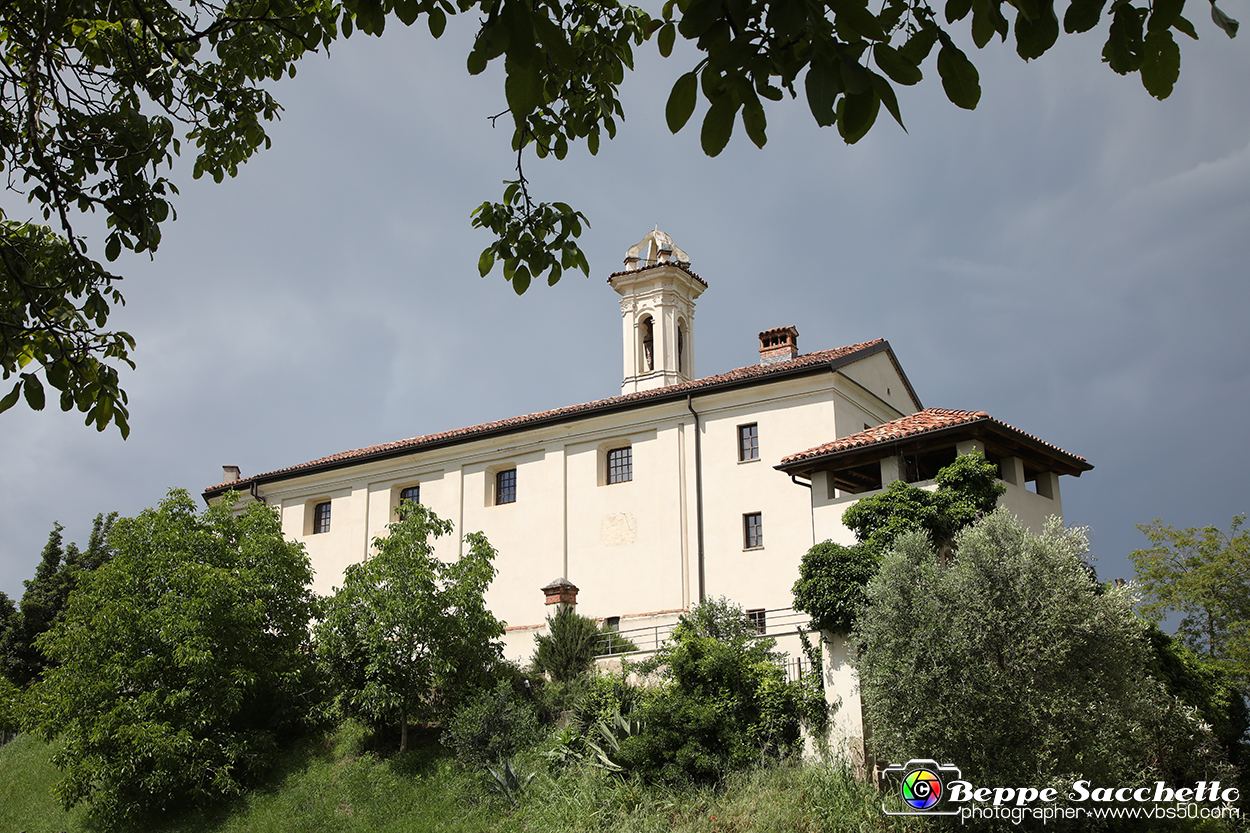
561 592
229 474
778 345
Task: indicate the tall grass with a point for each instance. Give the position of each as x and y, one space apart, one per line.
335 783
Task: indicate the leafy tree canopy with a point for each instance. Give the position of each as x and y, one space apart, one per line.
1006 662
408 636
832 577
1203 574
60 569
96 100
179 664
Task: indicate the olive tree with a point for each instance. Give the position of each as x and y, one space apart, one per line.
1008 662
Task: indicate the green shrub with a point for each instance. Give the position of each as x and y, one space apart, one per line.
568 648
725 704
493 725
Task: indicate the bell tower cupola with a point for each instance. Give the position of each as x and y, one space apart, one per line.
658 292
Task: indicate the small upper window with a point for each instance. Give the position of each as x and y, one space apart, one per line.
620 465
752 530
505 486
758 619
321 517
749 442
410 494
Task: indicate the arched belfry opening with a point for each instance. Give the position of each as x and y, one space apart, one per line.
658 292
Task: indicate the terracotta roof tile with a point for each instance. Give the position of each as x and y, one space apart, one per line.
915 425
739 375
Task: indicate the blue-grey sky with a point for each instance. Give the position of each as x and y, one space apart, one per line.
1070 257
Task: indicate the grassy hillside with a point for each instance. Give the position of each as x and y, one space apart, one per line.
333 784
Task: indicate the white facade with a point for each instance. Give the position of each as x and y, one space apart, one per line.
704 480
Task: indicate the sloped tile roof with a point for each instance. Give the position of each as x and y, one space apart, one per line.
733 378
927 421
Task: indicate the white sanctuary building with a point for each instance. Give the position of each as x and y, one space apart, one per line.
681 488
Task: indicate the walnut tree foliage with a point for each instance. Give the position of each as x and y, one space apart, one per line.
97 99
408 636
180 665
832 577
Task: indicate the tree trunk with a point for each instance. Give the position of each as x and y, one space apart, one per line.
403 732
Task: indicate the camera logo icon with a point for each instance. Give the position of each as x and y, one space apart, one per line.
922 784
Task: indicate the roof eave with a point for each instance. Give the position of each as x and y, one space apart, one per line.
677 394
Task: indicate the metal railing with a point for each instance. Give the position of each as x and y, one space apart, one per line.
775 622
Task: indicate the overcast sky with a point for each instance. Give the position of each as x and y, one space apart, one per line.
1070 257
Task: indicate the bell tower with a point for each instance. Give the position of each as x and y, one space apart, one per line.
658 292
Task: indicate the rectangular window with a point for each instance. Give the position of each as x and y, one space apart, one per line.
752 530
749 442
321 518
620 465
758 619
505 487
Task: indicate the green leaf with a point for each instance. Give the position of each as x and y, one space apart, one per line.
477 61
854 14
856 115
1161 64
113 247
1034 37
1185 27
854 75
523 88
408 11
11 397
957 9
665 39
823 84
1124 49
1082 15
886 93
521 279
1224 21
1163 14
919 45
32 389
486 262
718 125
437 21
754 121
681 101
554 41
699 17
960 79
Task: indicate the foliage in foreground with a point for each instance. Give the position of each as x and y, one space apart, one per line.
408 636
1008 662
179 666
96 98
337 783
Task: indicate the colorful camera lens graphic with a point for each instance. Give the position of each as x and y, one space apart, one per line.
921 788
